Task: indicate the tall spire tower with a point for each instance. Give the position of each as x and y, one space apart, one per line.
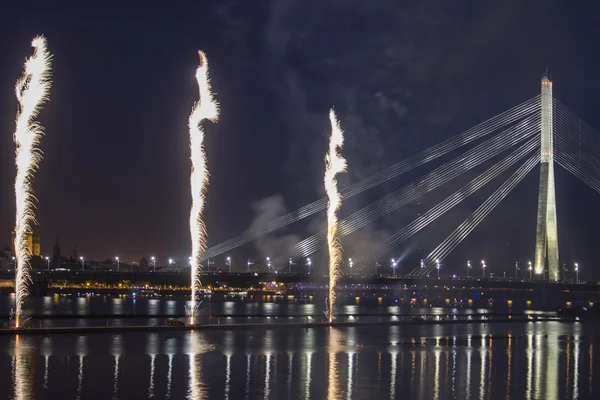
546 239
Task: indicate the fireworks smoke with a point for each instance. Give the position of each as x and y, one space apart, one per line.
205 108
32 91
334 164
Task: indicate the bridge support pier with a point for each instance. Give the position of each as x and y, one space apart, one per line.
546 243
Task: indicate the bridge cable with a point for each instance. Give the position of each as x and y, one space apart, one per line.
464 229
444 206
489 126
441 175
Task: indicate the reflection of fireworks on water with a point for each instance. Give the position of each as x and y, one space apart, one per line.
32 90
334 164
22 368
205 108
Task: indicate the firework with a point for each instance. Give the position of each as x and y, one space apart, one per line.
206 108
334 164
32 90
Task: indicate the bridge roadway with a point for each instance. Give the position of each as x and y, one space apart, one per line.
300 285
315 280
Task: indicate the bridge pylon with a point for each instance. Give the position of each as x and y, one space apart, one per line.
546 239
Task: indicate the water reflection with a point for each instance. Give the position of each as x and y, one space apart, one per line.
152 350
228 351
197 346
393 378
22 372
333 376
116 377
469 356
307 371
394 363
247 387
169 376
576 351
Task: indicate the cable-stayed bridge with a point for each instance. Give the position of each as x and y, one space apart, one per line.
540 130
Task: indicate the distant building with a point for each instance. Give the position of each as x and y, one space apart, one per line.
6 259
33 241
143 263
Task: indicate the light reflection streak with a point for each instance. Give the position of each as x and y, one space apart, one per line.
413 371
591 353
228 376
248 360
290 364
80 377
333 370
529 377
152 351
80 350
169 376
483 357
116 377
307 372
447 370
489 369
378 367
423 372
469 356
393 377
568 367
197 347
509 368
552 367
21 373
454 370
436 372
576 368
228 350
46 362
268 344
350 374
538 357
267 391
151 387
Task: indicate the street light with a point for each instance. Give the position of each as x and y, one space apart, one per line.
350 263
483 267
577 271
117 258
309 264
269 263
394 266
422 263
468 267
229 263
248 264
517 270
170 261
530 270
153 262
438 267
48 261
82 262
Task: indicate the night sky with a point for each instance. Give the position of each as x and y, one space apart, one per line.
115 175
